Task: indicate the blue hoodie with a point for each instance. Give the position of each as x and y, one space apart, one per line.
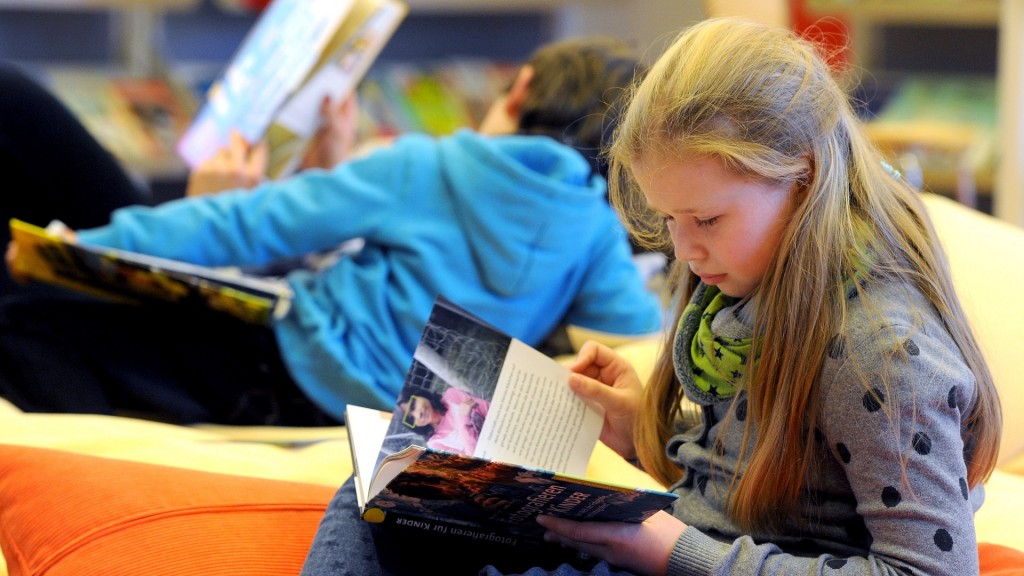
515 229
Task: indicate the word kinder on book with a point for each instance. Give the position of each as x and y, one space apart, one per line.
45 255
299 52
485 436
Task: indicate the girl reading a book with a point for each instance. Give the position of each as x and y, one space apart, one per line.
820 405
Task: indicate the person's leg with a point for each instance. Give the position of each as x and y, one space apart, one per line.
164 362
53 167
344 543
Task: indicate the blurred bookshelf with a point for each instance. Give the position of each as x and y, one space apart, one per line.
443 66
138 104
928 83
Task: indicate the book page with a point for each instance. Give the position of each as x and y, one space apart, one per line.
535 419
337 79
476 391
345 60
366 429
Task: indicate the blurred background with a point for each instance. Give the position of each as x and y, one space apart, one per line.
927 75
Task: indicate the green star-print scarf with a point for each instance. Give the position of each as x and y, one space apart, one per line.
716 364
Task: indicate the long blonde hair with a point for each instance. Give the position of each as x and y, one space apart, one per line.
764 101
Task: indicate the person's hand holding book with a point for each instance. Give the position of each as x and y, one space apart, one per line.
642 548
236 165
335 140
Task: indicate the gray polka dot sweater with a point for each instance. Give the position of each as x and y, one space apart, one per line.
857 515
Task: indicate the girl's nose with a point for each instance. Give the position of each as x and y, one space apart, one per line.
686 248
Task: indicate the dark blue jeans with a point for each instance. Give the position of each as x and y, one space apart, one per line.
164 362
345 544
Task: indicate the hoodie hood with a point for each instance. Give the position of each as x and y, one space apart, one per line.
515 191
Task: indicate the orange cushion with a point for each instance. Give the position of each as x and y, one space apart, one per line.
999 560
63 513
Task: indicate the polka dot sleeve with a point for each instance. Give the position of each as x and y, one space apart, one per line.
898 441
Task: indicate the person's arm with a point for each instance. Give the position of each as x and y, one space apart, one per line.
907 475
309 212
613 297
925 525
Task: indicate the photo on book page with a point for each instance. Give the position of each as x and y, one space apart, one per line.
476 391
448 390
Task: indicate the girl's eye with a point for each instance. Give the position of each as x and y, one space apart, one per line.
704 223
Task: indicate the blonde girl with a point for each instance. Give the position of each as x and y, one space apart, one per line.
843 419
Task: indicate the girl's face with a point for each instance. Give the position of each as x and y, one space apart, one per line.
727 227
420 412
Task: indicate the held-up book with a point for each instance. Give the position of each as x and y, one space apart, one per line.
485 436
46 256
299 52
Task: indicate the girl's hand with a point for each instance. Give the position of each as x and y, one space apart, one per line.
639 548
335 140
466 406
236 165
602 376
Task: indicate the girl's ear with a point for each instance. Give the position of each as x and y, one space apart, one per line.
516 96
808 172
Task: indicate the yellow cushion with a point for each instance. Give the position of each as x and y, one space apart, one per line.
325 462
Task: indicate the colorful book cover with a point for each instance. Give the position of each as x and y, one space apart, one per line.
129 277
481 499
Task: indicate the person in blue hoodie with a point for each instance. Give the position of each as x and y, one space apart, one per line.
510 221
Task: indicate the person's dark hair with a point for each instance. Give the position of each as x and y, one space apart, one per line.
431 396
575 92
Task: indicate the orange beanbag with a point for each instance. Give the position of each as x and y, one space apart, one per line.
63 513
999 560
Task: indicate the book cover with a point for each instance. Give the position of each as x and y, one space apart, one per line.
130 277
298 52
485 435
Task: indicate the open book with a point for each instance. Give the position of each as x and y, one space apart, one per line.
486 435
299 52
45 255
